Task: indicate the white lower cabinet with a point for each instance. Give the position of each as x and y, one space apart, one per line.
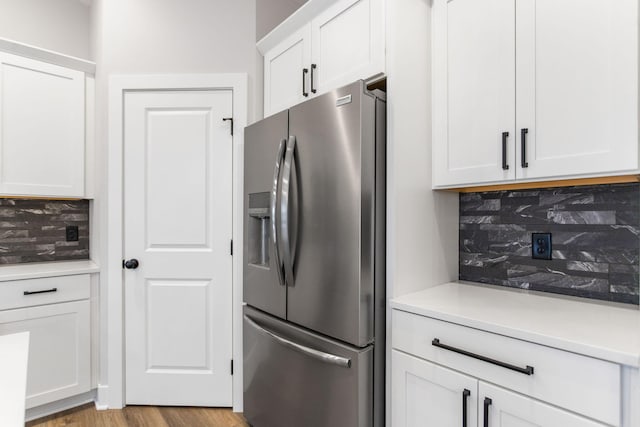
425 394
59 348
444 374
502 408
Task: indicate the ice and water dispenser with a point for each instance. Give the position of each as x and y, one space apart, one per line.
258 229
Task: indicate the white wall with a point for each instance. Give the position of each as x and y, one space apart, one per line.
58 25
422 225
422 242
162 37
270 13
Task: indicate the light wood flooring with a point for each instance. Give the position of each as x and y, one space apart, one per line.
142 416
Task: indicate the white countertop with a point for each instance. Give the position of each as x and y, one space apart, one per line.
601 330
14 356
46 269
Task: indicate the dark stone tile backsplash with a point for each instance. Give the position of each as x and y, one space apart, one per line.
34 230
595 240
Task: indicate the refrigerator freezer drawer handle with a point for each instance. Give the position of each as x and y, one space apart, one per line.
285 215
313 353
273 208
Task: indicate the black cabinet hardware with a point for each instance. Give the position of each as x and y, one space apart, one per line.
523 148
527 371
304 82
465 394
131 264
231 120
505 135
487 403
313 68
46 291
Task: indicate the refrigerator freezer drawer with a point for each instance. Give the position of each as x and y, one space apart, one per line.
294 378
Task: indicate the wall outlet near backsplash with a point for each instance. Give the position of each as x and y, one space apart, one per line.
38 230
594 250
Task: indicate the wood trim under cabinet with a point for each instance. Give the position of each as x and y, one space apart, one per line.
623 179
9 196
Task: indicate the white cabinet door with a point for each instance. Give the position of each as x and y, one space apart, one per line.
577 74
424 394
59 349
503 408
474 91
286 82
348 44
41 128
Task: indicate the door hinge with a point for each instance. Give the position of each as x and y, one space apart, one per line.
231 366
231 248
231 120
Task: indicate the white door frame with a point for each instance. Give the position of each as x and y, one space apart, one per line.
112 394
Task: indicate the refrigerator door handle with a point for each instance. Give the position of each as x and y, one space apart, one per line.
284 210
273 208
313 353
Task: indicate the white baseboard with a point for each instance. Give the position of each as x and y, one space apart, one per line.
102 397
60 405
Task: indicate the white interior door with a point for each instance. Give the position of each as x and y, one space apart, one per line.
178 225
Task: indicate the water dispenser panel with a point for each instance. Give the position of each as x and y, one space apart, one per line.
259 236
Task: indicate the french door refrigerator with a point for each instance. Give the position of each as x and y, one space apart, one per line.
314 263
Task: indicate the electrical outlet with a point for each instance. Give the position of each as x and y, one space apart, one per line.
541 245
72 233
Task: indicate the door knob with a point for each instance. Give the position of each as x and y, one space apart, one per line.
131 264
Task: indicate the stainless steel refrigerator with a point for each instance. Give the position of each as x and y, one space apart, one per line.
314 263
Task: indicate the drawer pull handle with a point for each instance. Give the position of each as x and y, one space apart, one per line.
527 371
465 394
46 291
487 403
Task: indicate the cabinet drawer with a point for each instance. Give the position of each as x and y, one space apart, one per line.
582 384
30 292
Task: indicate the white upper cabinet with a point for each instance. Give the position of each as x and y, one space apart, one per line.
474 90
348 43
333 46
577 89
286 67
561 76
42 128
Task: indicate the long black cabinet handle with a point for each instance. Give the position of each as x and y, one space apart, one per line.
527 371
523 148
465 394
487 403
313 68
46 291
304 82
505 135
